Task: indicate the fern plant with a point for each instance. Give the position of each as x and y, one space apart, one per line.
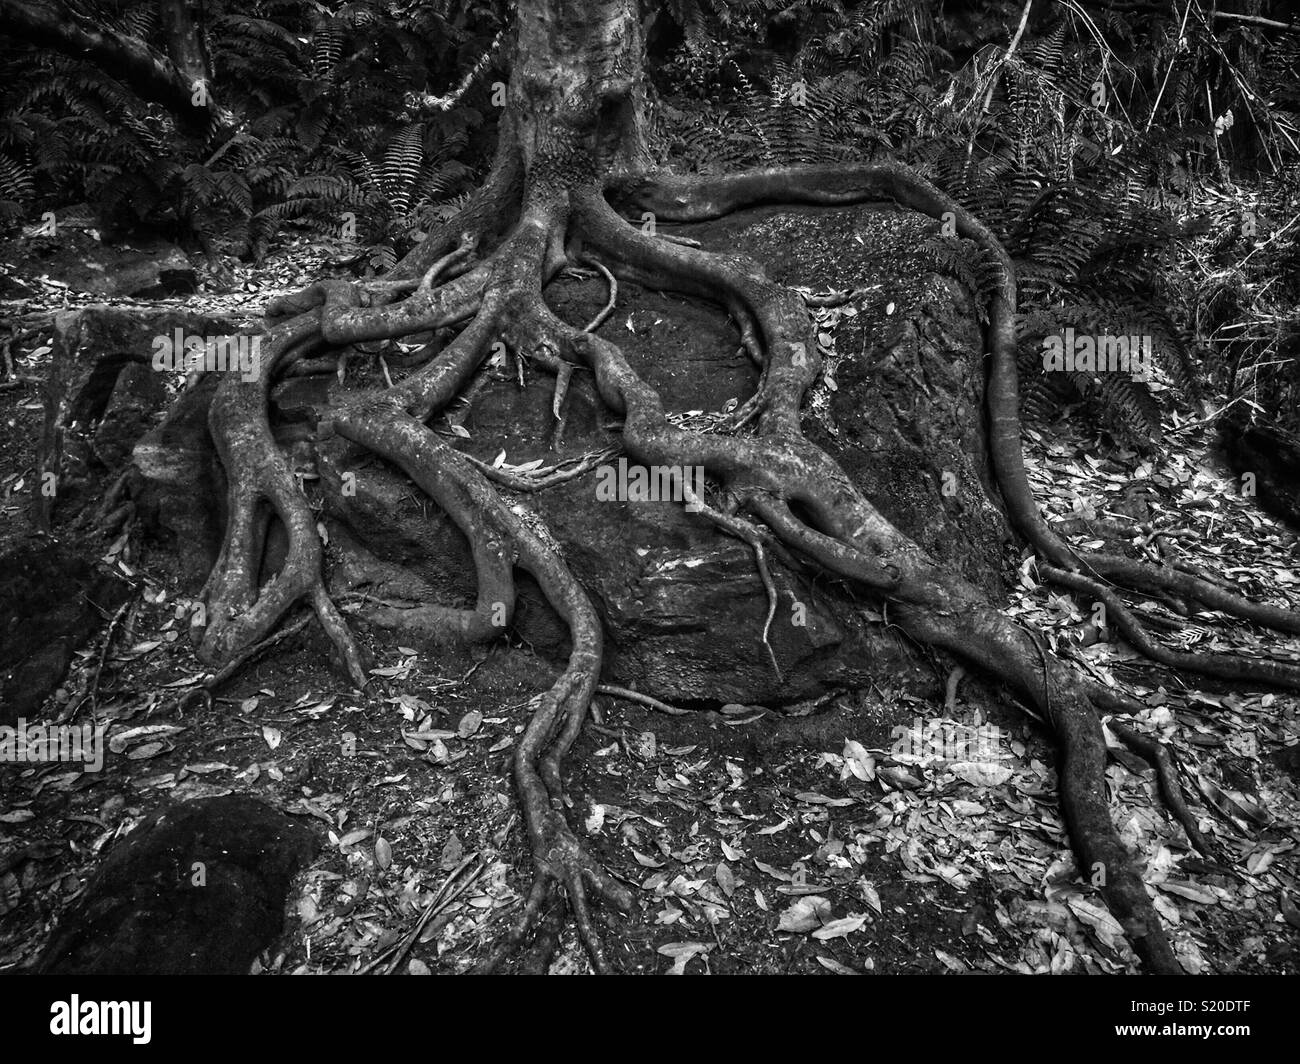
1025 143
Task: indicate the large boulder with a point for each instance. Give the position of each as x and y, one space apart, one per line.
683 605
71 254
102 395
148 269
51 602
1270 456
197 888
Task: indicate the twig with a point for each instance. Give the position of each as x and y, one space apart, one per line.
674 238
546 477
834 299
1011 50
1187 10
93 693
443 898
645 700
236 663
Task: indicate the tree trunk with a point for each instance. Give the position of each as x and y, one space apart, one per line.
184 37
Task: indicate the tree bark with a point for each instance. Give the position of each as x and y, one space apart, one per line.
184 38
577 90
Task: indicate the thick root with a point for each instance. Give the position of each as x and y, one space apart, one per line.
779 466
807 505
239 613
677 199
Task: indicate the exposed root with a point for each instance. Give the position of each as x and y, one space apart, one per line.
1223 666
239 613
547 477
1171 791
678 199
950 688
392 426
805 501
608 308
779 466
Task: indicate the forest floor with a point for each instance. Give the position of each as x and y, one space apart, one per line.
755 841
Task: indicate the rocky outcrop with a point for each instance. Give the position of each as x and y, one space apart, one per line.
1271 455
51 602
900 407
102 395
196 889
683 605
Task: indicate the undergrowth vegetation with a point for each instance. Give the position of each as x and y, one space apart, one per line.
1139 164
1143 180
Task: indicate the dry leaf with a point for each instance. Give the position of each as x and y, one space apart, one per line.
839 928
805 914
682 952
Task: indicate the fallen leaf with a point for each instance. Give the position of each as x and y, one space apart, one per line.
451 854
682 952
832 965
981 773
805 914
839 928
1100 920
18 816
1290 913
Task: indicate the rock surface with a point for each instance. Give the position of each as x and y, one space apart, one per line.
683 605
900 406
1272 455
149 269
196 889
102 395
51 602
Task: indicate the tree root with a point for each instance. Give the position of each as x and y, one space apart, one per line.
678 199
1222 666
628 695
805 502
1158 756
239 613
